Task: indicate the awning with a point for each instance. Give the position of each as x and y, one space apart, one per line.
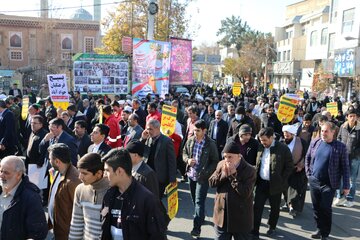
7 73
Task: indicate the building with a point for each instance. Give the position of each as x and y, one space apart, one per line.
32 47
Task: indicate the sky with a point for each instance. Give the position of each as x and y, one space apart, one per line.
262 15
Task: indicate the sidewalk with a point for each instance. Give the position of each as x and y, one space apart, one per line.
346 221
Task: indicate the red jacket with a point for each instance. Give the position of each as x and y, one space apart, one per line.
156 115
114 138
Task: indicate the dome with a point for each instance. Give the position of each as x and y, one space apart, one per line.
82 14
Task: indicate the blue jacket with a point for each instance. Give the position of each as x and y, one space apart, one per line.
25 217
338 165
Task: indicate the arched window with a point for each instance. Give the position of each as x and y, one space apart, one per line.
15 40
313 38
324 36
66 43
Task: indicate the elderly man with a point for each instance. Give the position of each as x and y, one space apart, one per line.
234 180
326 163
21 212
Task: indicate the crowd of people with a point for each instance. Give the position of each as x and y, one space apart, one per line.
108 163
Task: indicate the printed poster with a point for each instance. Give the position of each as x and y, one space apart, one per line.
332 108
173 200
58 90
236 89
287 109
181 62
168 120
151 67
25 108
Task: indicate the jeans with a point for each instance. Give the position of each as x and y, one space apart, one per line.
322 196
354 172
222 234
198 195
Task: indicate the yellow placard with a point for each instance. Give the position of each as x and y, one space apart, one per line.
286 109
173 200
236 89
271 86
168 119
62 105
25 108
332 108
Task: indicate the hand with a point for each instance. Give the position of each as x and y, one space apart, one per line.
2 147
48 136
298 169
191 162
231 169
145 135
346 191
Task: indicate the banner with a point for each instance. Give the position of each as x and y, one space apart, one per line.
332 108
236 89
181 62
58 90
271 86
101 74
168 120
151 67
25 108
287 109
173 200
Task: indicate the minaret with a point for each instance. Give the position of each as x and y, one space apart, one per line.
97 10
44 6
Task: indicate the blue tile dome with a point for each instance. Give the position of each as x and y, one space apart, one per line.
82 14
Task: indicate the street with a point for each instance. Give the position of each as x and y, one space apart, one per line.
345 220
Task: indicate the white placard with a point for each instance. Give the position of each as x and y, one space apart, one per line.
37 175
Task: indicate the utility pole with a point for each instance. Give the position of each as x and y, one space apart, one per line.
265 70
152 10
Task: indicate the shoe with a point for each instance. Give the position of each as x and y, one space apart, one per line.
284 208
255 235
325 238
195 232
339 201
316 235
348 204
270 232
292 212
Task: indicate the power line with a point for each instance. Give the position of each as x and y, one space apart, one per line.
62 8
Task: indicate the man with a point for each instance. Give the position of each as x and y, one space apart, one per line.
14 91
240 119
32 97
313 107
83 140
159 154
85 220
89 112
234 180
114 137
269 119
21 212
130 211
349 134
33 155
44 91
26 129
116 109
58 135
75 115
136 106
230 114
218 129
78 101
62 190
8 139
306 130
124 123
256 120
248 145
140 170
134 130
273 165
192 118
294 195
98 136
326 163
201 157
50 112
153 113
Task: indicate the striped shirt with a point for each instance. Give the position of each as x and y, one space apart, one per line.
86 218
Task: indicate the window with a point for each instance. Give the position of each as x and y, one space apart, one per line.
324 34
289 34
278 56
288 55
89 44
331 45
15 39
66 42
348 20
284 56
313 38
16 55
65 56
334 7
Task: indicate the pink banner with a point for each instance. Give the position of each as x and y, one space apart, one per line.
181 62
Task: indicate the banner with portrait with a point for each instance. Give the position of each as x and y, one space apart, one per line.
181 62
150 67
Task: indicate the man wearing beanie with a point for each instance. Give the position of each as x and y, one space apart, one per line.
234 180
140 170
